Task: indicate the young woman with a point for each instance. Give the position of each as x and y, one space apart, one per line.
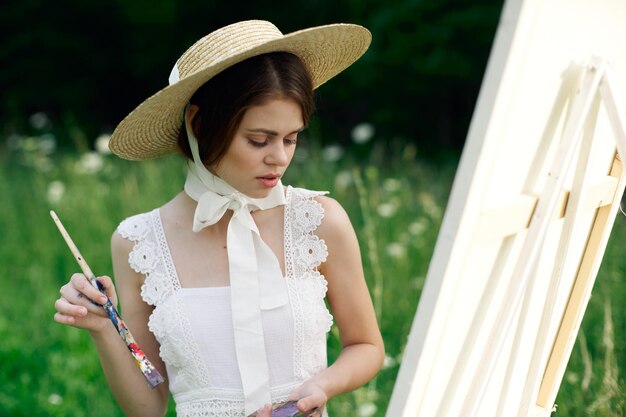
224 286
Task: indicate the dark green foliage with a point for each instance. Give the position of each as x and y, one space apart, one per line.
94 61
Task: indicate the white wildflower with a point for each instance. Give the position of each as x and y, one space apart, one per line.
39 120
47 144
29 144
389 362
332 153
362 133
14 141
343 180
387 209
418 227
430 205
572 377
396 250
55 399
392 184
90 163
102 144
56 189
367 410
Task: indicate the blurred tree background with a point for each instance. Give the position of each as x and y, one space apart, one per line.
89 63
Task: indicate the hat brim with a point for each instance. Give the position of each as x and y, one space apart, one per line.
151 129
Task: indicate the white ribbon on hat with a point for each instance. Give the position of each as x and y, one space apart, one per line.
174 75
256 281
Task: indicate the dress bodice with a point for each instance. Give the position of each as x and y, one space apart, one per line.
194 327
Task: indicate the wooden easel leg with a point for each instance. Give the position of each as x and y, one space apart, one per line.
581 292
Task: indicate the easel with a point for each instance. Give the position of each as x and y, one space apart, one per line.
596 86
533 216
602 86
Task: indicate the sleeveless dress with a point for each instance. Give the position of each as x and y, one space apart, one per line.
194 325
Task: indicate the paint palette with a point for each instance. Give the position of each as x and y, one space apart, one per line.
289 409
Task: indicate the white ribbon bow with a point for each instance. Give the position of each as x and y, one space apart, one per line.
256 281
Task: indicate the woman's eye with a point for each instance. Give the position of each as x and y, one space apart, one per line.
257 143
291 141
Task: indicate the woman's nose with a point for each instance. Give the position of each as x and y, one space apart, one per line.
278 155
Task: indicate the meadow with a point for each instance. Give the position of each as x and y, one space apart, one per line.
394 196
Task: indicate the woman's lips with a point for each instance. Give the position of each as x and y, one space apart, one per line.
269 181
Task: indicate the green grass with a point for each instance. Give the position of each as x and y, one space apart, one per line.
396 205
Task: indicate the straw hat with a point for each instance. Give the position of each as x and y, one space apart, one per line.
151 130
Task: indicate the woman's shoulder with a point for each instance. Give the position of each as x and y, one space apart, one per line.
136 226
335 219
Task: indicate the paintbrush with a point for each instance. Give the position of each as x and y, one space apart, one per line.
152 375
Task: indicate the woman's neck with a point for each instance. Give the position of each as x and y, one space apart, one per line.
181 209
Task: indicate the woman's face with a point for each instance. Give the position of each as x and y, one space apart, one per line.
262 147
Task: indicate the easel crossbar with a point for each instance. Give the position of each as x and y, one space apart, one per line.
513 218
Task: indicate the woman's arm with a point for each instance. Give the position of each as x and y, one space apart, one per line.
363 352
131 390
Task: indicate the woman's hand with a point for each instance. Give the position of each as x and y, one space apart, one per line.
266 411
80 303
309 396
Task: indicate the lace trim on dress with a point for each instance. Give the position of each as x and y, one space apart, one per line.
144 257
192 372
307 287
228 403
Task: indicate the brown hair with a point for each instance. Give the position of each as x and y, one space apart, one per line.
224 99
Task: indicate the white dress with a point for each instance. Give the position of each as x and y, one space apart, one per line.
194 325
